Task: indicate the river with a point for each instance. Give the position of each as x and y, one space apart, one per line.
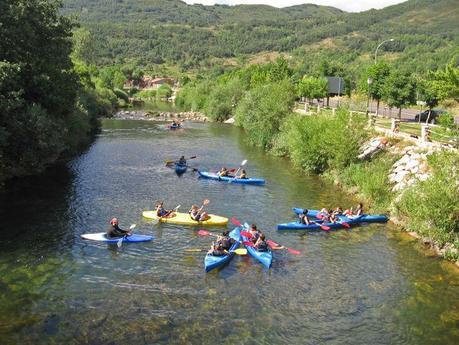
368 285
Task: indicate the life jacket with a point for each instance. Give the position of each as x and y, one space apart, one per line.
262 246
226 242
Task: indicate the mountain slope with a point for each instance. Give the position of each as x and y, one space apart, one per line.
158 31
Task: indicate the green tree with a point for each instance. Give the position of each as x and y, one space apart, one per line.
378 74
312 87
262 111
399 91
164 91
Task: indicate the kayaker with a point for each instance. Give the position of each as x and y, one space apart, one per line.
338 211
162 212
225 240
223 172
348 212
242 175
323 214
261 244
304 217
198 214
216 249
255 233
115 231
359 210
182 161
333 217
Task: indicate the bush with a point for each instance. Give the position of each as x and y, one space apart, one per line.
321 142
262 111
431 207
146 94
223 100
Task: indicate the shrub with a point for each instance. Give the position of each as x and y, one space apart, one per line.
431 207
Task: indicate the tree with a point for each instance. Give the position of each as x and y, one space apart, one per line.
312 87
399 90
378 74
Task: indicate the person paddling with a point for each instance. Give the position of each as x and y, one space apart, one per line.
223 172
359 210
242 175
216 249
162 212
181 161
115 231
304 217
261 244
225 240
198 214
255 233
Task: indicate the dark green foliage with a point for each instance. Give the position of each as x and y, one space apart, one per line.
399 90
172 32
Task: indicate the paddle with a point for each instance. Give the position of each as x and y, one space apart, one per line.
205 233
246 234
156 220
244 162
174 161
120 241
274 245
323 227
236 222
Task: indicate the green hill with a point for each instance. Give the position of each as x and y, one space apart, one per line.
192 36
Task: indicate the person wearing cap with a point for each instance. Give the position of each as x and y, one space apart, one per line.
115 231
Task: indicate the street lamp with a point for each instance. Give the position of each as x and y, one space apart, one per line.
376 51
369 81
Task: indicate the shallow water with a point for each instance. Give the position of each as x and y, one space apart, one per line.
369 285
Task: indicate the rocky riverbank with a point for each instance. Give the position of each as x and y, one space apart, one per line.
147 115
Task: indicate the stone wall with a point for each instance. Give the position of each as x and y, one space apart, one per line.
159 116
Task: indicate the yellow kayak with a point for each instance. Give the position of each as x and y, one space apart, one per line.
185 219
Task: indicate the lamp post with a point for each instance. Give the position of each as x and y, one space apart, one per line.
369 81
380 44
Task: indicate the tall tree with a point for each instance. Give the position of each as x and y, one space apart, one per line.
399 91
312 87
378 73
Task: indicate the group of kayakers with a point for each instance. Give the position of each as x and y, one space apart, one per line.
196 213
222 244
329 215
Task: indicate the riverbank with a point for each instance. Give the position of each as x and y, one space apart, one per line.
161 116
417 184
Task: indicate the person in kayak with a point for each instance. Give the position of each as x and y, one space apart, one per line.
333 218
162 212
242 175
216 249
115 231
255 233
223 172
198 214
338 211
225 240
181 161
359 210
304 217
261 244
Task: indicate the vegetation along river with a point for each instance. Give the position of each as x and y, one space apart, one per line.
367 285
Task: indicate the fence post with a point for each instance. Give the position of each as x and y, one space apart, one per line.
371 121
395 127
425 133
333 111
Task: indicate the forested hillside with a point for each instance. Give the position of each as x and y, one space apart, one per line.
151 32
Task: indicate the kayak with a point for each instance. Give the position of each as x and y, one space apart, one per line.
365 218
214 176
211 261
175 127
299 226
185 219
266 258
102 237
180 168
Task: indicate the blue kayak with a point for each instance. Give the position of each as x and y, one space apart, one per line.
211 261
175 127
266 258
315 226
214 176
102 237
180 168
365 218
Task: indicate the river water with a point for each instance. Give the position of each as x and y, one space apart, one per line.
367 285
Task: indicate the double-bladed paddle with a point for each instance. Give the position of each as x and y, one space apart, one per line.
274 245
120 241
174 161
